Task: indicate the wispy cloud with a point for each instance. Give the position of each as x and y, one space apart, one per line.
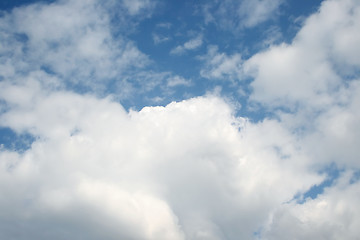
72 40
236 15
166 25
178 81
135 7
157 38
192 44
221 66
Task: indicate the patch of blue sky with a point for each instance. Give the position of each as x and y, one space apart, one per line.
10 140
332 173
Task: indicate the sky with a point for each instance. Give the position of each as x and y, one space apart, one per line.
181 120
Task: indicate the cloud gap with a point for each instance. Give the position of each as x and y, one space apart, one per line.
18 142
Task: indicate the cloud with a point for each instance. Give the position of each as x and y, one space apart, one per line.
314 81
192 169
236 15
312 86
159 39
313 65
330 216
192 44
178 80
77 44
307 78
221 66
256 12
70 39
135 7
187 170
166 25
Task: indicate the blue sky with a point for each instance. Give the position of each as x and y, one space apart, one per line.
147 119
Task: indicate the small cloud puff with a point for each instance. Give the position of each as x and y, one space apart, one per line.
157 38
177 81
192 44
221 66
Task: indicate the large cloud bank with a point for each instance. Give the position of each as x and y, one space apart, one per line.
189 170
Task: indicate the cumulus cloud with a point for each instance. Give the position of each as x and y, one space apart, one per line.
330 216
314 77
307 77
313 65
190 170
312 86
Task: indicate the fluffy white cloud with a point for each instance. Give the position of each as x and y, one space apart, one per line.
190 170
316 78
311 77
311 69
312 87
332 215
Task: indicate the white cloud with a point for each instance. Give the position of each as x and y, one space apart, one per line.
137 6
72 39
159 38
221 66
192 44
315 77
310 69
178 80
337 130
256 12
235 15
77 43
333 215
189 170
313 84
310 77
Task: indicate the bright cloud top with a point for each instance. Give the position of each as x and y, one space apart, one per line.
262 142
190 162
